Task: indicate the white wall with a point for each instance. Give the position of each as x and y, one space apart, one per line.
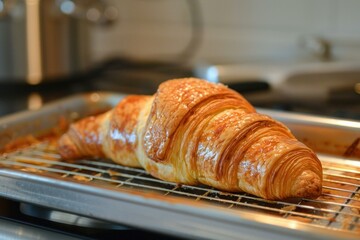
234 30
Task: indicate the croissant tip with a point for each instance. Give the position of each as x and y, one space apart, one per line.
307 185
66 148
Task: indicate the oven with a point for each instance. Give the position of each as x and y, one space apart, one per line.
41 195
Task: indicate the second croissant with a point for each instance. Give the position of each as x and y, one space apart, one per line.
195 132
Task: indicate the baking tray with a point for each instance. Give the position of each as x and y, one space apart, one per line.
98 188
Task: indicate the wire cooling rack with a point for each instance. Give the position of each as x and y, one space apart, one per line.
338 208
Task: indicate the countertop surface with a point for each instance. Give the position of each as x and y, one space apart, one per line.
143 78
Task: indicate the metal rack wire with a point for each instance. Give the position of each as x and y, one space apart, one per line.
337 208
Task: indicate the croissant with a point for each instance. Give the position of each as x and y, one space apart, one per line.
196 132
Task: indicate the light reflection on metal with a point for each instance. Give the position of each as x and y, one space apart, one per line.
35 101
93 14
357 88
67 7
95 97
111 13
33 42
212 74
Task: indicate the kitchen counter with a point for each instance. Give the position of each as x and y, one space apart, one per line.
143 78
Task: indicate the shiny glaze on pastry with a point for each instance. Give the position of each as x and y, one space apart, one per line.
192 131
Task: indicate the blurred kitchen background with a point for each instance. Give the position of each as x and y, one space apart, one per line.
301 56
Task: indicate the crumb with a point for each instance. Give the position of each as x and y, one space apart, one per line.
112 173
82 178
289 208
32 170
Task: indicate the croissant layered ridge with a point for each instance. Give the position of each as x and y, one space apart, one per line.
192 131
112 134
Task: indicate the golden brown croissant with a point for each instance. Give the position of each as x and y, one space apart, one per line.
192 131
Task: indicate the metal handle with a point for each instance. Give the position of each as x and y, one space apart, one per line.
96 12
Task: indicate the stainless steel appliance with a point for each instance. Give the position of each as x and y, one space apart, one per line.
102 190
47 40
301 82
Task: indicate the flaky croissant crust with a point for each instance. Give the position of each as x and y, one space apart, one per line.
192 131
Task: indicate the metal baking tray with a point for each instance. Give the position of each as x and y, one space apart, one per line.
100 189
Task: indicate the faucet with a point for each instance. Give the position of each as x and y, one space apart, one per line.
318 46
